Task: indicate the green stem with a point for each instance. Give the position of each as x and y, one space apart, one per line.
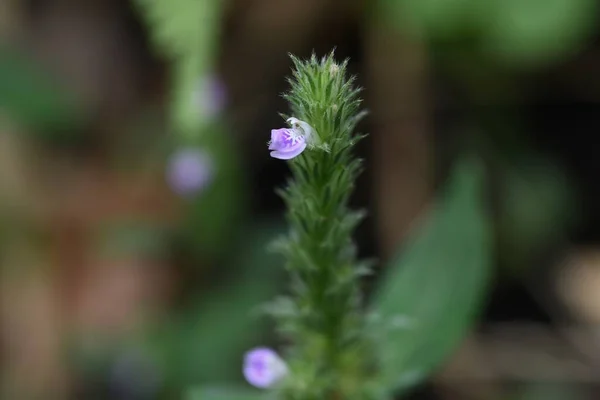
328 323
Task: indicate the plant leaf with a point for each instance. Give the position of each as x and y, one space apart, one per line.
434 288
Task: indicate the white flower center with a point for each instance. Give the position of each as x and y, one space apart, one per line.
302 128
295 135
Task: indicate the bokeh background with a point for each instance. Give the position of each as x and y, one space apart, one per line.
118 284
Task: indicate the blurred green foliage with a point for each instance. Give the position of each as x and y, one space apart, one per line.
206 341
132 237
550 391
536 208
225 394
434 19
212 218
31 97
522 32
185 32
434 288
515 33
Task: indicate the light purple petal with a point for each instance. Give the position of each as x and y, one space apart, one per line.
286 143
288 155
277 137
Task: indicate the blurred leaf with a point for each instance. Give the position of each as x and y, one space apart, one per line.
181 26
433 290
185 30
30 96
524 32
437 19
224 394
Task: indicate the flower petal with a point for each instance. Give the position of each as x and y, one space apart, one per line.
277 136
288 155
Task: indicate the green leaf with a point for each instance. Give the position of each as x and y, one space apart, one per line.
434 288
224 394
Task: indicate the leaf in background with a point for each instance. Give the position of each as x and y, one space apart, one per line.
179 26
187 31
524 32
437 19
31 97
433 290
224 394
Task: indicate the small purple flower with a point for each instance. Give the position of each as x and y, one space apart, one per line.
263 368
189 171
210 96
286 143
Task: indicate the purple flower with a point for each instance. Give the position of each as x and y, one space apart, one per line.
210 96
189 171
286 143
263 368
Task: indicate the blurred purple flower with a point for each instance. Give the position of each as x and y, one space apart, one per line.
189 171
263 368
210 96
